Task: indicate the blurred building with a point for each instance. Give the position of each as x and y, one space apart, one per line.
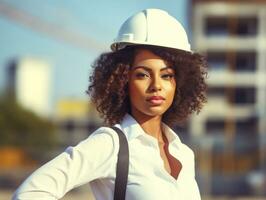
29 81
76 119
230 133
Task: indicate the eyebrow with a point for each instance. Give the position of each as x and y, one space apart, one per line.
148 69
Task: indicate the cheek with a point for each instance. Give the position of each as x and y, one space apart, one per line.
170 88
170 93
136 89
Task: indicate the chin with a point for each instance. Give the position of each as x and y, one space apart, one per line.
155 112
149 111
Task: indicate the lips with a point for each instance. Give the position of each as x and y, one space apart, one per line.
156 100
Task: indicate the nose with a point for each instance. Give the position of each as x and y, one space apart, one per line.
155 84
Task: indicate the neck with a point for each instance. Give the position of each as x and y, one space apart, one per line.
151 125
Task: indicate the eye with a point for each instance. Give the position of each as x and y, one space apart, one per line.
142 75
168 76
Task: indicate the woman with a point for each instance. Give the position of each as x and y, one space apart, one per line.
149 82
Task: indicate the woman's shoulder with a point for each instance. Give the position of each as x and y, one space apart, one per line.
103 131
102 139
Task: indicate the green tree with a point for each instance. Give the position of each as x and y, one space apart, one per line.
22 128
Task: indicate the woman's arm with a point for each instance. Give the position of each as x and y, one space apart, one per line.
91 159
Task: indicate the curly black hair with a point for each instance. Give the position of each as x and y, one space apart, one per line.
109 83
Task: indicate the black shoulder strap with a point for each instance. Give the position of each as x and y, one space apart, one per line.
122 166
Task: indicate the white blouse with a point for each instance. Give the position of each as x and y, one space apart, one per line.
94 160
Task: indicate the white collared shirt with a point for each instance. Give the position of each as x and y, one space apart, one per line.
94 160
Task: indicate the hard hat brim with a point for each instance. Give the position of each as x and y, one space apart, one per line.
116 46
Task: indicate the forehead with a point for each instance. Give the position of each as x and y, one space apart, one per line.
144 56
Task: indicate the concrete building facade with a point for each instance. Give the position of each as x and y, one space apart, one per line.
231 130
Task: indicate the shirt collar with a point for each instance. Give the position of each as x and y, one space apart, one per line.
131 127
170 134
133 130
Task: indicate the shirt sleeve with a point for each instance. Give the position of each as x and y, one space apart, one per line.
91 159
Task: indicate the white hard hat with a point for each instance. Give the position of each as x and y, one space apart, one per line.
152 27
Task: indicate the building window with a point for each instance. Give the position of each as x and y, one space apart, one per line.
246 61
239 95
217 60
216 91
247 26
247 127
215 126
231 25
243 61
216 26
245 95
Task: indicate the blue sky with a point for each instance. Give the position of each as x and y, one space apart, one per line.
96 20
